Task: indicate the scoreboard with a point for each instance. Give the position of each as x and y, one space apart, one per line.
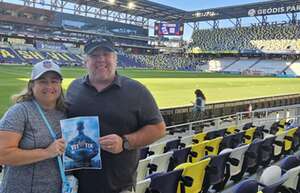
168 29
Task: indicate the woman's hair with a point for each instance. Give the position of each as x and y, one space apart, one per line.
199 93
27 95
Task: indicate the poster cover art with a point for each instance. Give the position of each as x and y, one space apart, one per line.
81 136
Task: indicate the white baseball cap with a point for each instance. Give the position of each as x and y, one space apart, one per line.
44 66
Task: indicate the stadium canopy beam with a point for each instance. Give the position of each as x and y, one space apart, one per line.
292 18
238 22
93 8
196 26
264 19
216 24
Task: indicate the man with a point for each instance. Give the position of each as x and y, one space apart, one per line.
128 114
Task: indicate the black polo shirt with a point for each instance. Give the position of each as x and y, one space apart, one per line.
123 107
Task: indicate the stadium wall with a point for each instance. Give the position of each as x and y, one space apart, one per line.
179 115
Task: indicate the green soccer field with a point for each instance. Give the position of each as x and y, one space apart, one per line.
168 87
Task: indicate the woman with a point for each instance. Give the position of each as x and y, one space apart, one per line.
199 105
26 147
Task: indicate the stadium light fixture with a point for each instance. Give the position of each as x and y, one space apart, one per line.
111 1
131 5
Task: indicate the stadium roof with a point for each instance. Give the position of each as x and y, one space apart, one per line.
143 8
160 12
246 10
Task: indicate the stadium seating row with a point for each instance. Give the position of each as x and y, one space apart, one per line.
228 158
274 38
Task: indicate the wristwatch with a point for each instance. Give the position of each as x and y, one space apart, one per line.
125 143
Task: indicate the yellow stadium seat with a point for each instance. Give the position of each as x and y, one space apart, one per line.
249 133
197 152
281 125
231 130
194 171
199 137
212 146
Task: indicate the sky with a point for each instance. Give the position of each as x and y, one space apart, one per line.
192 5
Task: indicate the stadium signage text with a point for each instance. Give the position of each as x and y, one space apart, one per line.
274 10
206 14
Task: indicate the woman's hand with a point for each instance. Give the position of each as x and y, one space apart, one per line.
56 148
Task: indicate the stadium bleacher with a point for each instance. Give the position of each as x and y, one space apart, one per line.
266 145
241 65
275 38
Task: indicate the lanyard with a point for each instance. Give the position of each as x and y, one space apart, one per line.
60 164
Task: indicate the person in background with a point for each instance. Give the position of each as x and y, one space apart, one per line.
27 149
199 105
128 114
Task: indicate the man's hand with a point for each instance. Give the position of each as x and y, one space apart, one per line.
112 143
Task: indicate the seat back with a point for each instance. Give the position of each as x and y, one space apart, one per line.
157 148
288 140
247 126
160 162
166 182
216 168
142 186
179 156
278 126
196 172
271 179
259 132
247 186
212 146
266 151
226 142
186 140
289 162
143 169
172 145
197 152
238 154
293 178
270 175
231 130
199 137
279 143
249 135
215 133
252 156
238 139
144 152
296 140
274 128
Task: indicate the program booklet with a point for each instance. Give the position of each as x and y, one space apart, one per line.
81 135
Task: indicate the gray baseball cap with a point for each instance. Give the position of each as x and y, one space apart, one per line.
44 66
